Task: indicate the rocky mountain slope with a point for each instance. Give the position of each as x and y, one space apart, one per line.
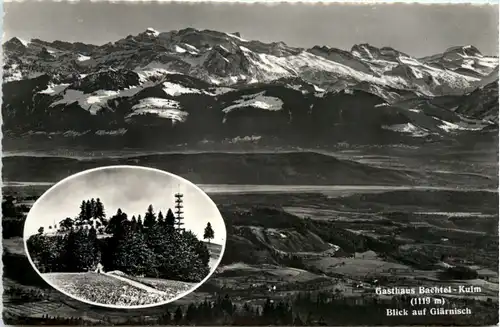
206 86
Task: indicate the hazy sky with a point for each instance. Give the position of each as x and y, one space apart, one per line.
132 190
415 29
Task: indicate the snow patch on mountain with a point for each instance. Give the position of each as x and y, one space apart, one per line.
450 127
219 90
244 139
439 76
163 108
179 49
158 103
95 101
468 64
120 131
174 89
295 87
491 62
223 48
152 32
70 133
14 73
91 102
409 61
257 101
83 58
24 42
318 70
407 128
318 89
190 47
236 37
416 73
150 72
53 89
478 59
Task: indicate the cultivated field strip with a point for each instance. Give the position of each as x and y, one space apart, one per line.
33 308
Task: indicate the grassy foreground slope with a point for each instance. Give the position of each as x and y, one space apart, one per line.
105 289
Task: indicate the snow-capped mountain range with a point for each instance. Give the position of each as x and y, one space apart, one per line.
194 85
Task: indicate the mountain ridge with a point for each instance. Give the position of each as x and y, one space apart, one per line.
201 85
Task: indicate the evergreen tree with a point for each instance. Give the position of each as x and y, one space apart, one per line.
92 208
116 223
205 310
81 215
161 219
132 255
139 222
202 252
166 319
268 310
88 210
170 219
309 319
297 321
178 315
191 313
46 252
149 217
96 254
99 209
133 223
81 250
209 233
227 305
193 257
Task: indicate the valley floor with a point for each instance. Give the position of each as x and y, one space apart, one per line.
291 246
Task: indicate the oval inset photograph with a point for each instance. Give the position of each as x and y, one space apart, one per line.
125 237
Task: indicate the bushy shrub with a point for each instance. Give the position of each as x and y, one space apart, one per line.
76 251
47 252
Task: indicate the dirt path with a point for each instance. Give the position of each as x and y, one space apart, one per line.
136 284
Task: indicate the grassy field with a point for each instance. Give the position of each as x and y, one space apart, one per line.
103 289
46 308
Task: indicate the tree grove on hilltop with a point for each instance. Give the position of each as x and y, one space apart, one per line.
158 250
91 209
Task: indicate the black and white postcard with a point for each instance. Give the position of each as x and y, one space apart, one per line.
218 163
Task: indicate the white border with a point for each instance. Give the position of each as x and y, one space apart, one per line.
180 179
264 2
